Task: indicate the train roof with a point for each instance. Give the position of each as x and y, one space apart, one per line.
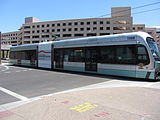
102 40
89 41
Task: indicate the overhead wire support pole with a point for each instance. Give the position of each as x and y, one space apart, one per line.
0 46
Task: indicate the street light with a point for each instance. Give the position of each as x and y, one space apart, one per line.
55 37
52 35
0 46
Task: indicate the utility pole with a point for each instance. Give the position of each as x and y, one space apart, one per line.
0 46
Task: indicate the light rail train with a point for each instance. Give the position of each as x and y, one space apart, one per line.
129 54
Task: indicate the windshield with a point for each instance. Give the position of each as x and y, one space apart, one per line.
154 49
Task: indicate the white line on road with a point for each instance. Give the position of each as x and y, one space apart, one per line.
6 68
13 94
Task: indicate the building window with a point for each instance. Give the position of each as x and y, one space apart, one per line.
88 23
75 23
91 34
140 28
104 34
42 25
101 28
67 35
64 24
94 28
48 25
26 37
33 26
69 24
35 41
58 30
75 29
26 27
42 30
64 30
13 41
108 22
82 29
88 28
78 35
107 28
37 26
35 36
69 29
33 31
27 32
133 28
53 30
45 36
101 22
94 23
26 42
58 24
82 23
48 30
37 31
53 25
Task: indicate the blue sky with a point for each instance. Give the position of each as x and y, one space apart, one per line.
13 12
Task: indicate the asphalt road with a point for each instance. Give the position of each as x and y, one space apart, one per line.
120 97
29 82
21 83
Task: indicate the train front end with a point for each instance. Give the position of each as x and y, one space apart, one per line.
156 55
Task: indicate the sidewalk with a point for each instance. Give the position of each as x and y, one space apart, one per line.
123 103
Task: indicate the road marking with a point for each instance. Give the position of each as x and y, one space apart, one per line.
84 107
6 68
18 71
14 94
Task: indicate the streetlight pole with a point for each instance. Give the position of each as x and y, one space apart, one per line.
0 46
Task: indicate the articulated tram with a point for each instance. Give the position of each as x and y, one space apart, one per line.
130 54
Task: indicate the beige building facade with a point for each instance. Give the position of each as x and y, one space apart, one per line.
10 38
34 31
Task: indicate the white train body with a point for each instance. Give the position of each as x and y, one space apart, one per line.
129 54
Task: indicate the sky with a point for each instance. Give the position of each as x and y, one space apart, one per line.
13 12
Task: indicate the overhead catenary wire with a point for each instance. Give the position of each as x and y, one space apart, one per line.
147 10
143 11
133 9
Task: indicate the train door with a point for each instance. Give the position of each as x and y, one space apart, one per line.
59 58
142 69
91 59
44 55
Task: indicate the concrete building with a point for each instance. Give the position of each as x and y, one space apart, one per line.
158 35
10 38
33 31
153 31
138 27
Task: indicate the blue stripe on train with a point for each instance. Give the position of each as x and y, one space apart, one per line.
126 73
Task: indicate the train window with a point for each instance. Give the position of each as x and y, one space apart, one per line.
74 55
126 55
142 55
23 55
118 55
107 55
